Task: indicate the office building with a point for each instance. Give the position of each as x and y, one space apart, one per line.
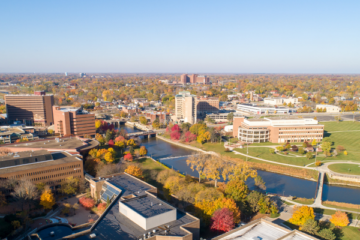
264 229
278 101
190 108
194 79
65 74
82 75
73 145
41 166
71 121
328 108
135 213
9 134
155 115
277 130
35 108
253 108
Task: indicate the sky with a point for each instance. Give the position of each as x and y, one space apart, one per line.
180 36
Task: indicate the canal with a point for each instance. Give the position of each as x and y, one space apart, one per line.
275 183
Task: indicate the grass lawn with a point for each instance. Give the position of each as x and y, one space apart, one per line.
265 144
263 152
149 164
305 201
344 168
288 203
341 126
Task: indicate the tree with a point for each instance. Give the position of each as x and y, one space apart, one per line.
310 226
143 150
40 186
326 147
271 150
131 142
301 215
109 135
131 150
301 150
134 170
327 234
280 148
120 144
128 157
216 168
143 120
156 124
2 199
237 190
309 155
93 152
100 139
25 191
111 143
208 194
165 174
174 184
241 171
253 198
109 169
197 163
222 220
345 153
47 199
313 143
259 182
109 157
340 148
188 194
87 203
70 185
230 117
339 219
97 124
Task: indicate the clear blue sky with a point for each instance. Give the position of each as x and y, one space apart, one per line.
207 36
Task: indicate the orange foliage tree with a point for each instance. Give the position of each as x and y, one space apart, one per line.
339 219
134 170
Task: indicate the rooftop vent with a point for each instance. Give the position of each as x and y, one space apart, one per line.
93 235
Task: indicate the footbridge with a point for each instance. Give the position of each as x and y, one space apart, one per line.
170 158
144 134
318 199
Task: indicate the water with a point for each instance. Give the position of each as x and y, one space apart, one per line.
275 183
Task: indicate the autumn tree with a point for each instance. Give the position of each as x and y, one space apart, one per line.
174 184
216 168
197 163
143 120
310 226
97 124
208 194
47 199
339 219
156 124
222 220
131 142
70 185
134 170
301 215
241 171
87 203
309 155
25 191
165 174
143 150
109 157
237 190
128 157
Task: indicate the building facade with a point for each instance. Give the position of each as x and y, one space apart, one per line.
328 108
194 79
278 101
32 108
41 166
277 130
252 108
73 122
189 108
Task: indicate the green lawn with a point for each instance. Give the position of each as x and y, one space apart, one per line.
331 212
149 164
341 126
345 168
263 152
304 201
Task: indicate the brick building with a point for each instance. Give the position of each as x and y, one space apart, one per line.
153 115
70 121
30 108
41 166
194 79
277 130
189 108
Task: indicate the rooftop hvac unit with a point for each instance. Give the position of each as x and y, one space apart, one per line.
93 235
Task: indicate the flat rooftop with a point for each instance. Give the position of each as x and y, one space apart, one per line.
45 160
147 205
63 143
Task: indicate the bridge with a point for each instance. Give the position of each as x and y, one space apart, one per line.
169 158
116 122
145 134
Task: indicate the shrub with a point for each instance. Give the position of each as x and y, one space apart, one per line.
340 148
128 157
272 151
227 150
87 202
301 150
101 207
318 163
345 153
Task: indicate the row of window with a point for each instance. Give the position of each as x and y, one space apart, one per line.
47 171
54 176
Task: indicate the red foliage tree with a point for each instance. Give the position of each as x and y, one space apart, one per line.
111 143
101 207
87 202
119 139
189 137
175 135
222 220
128 157
175 128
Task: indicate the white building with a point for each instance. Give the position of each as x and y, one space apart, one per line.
252 108
280 101
329 108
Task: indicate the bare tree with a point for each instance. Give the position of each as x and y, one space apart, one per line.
25 192
109 169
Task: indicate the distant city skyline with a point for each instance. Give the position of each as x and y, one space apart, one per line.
180 37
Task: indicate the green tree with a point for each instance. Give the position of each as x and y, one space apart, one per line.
70 185
156 124
230 117
301 150
326 147
309 155
143 120
237 190
327 234
310 226
272 151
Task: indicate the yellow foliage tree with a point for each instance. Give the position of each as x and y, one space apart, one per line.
339 219
131 142
207 208
109 157
120 144
134 170
97 124
47 199
301 215
242 171
143 150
